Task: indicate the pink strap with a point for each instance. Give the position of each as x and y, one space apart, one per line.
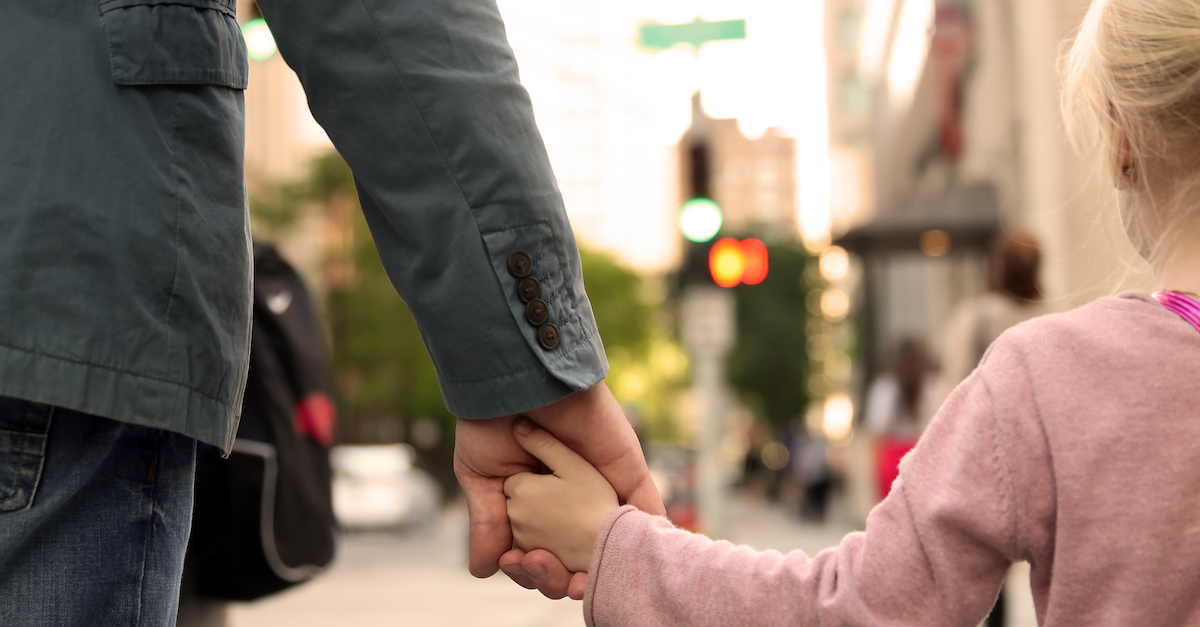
1183 306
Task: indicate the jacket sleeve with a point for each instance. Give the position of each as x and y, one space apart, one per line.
423 100
934 552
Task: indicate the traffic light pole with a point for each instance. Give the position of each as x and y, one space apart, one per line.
707 317
708 329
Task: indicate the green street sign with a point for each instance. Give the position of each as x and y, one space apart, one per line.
659 36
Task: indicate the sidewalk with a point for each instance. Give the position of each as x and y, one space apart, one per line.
417 578
420 578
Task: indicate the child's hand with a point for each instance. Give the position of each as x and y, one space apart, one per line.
560 512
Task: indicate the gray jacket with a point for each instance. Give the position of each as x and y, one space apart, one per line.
124 240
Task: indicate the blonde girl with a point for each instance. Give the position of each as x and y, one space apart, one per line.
1075 446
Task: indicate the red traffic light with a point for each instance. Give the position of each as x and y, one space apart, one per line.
731 262
756 261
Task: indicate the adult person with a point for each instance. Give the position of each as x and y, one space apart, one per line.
1013 295
125 272
899 405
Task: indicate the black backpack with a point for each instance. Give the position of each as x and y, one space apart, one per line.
263 518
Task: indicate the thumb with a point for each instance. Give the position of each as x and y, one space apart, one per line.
646 498
554 454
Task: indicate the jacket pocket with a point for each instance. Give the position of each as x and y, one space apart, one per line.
23 428
175 42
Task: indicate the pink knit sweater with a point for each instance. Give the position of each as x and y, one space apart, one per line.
1075 446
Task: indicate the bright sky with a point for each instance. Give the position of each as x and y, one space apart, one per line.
611 114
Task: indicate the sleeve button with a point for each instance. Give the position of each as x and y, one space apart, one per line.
537 312
520 265
548 336
529 289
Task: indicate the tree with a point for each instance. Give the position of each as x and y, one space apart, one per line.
769 367
385 380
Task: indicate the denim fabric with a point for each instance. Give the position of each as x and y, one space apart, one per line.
94 518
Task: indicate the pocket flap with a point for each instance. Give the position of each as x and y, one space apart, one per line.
175 42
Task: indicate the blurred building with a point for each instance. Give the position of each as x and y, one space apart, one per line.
750 179
966 137
281 135
851 198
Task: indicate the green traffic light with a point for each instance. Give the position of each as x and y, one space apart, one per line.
260 43
700 219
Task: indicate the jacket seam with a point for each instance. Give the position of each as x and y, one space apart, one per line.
178 201
516 226
228 7
420 113
1020 505
123 371
1010 507
450 171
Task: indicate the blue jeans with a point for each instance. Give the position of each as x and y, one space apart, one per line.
94 518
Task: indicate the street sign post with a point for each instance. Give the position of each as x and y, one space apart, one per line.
709 328
708 317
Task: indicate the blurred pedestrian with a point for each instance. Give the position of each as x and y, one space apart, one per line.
1072 446
1014 295
263 517
900 403
125 272
809 467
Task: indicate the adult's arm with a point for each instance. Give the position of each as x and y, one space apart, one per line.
423 100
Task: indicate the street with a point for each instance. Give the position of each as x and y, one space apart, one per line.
420 578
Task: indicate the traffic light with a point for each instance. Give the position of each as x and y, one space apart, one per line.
728 262
260 43
756 261
700 220
731 262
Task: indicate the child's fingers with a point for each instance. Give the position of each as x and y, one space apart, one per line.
512 484
554 454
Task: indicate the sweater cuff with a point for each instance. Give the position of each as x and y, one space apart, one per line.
615 529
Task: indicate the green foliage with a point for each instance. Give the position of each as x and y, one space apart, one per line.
383 373
770 366
278 207
646 367
624 319
379 360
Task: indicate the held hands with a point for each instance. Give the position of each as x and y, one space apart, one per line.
486 453
561 512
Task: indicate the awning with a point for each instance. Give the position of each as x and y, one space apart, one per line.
970 216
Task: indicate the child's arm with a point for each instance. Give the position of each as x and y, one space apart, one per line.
560 512
934 553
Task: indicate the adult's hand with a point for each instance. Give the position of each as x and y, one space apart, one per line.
486 453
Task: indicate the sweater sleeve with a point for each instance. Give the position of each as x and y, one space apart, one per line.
935 552
423 99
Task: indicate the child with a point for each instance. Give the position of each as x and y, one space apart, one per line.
1075 446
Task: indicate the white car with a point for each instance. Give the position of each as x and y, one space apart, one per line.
377 487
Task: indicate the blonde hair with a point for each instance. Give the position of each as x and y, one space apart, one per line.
1132 83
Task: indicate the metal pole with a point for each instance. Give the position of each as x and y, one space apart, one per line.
708 331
